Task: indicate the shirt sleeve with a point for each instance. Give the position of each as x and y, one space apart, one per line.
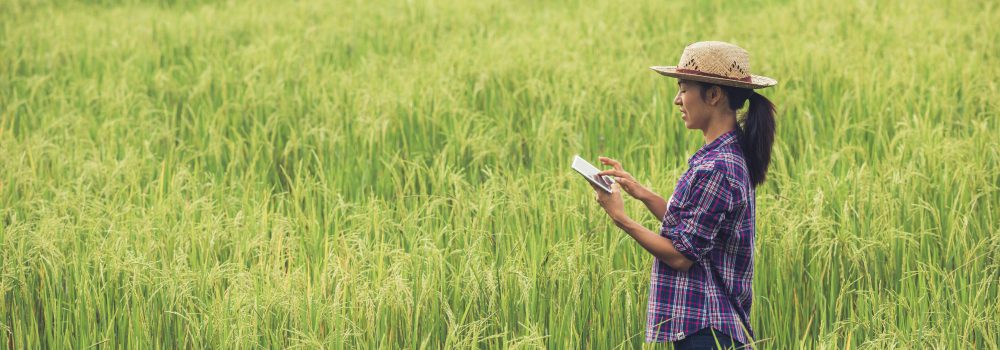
694 219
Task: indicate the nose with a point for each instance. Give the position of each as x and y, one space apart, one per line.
677 99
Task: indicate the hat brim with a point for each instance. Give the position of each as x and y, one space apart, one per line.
756 81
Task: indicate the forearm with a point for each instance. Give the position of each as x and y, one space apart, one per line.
654 202
660 247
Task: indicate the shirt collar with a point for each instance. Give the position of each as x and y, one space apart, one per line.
724 139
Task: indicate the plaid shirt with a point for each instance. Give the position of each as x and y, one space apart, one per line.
710 219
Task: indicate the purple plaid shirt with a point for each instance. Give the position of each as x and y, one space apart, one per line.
710 219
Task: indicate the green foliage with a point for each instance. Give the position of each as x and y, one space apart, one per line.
183 174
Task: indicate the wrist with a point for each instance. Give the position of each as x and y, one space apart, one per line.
621 220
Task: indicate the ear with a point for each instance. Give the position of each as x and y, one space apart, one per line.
714 95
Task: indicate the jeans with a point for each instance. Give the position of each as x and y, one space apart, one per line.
704 340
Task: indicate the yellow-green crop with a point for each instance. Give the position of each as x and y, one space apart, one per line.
395 174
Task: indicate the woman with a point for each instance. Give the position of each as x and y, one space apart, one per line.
700 289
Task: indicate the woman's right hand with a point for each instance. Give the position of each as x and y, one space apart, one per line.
624 179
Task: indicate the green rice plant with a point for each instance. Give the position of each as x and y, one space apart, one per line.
186 174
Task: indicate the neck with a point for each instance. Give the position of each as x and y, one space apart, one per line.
721 124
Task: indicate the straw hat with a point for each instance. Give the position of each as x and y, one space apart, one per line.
716 62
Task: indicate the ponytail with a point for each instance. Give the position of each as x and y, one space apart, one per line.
756 136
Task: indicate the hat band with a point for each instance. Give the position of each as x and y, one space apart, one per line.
698 72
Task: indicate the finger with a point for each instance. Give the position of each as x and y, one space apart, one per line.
626 181
612 172
616 175
607 161
613 163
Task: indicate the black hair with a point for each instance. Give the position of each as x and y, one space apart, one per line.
755 132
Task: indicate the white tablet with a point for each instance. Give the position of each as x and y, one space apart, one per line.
590 173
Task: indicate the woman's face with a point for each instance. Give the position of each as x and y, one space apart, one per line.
694 110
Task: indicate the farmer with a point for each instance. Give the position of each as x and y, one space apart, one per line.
700 288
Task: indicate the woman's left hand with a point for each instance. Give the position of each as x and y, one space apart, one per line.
611 202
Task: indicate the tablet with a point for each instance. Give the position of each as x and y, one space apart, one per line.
590 173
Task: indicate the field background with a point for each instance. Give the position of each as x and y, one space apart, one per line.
354 174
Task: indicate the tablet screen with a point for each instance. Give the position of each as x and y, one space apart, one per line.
589 172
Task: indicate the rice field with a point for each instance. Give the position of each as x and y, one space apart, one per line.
395 174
